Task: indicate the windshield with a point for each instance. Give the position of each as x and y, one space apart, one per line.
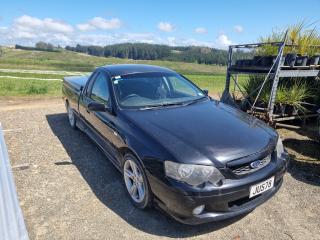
143 90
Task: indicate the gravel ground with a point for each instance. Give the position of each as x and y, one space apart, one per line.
71 191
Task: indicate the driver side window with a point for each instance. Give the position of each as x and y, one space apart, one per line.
100 89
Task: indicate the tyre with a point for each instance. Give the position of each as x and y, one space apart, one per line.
136 182
71 117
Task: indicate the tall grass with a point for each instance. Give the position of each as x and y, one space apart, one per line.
21 87
291 91
302 36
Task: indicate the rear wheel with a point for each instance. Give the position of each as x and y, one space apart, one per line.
136 182
71 117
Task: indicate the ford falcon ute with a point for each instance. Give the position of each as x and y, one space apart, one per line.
196 158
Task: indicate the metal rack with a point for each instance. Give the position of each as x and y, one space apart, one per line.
274 73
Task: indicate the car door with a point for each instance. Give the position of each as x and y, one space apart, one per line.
100 125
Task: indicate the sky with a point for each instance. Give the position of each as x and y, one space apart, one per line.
177 22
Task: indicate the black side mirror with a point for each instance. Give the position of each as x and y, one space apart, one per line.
205 91
97 107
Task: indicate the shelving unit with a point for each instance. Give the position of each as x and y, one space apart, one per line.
274 73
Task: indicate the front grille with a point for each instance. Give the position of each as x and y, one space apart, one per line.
252 166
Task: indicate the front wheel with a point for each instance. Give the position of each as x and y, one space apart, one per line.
71 117
136 182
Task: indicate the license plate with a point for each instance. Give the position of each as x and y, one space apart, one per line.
261 187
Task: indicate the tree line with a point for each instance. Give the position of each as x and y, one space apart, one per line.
40 46
144 51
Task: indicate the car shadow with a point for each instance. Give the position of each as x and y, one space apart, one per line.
307 171
305 166
106 183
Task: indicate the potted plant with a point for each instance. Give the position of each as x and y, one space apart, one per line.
293 38
314 60
290 59
314 51
296 95
305 47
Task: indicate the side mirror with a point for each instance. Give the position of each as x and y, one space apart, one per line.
96 107
205 91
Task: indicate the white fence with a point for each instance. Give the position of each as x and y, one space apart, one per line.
12 225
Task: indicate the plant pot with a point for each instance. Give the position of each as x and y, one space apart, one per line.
266 61
314 60
289 110
247 62
290 59
282 109
257 60
301 61
295 111
239 63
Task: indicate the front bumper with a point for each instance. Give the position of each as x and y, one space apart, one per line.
227 201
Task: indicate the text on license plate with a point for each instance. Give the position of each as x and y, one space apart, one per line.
261 187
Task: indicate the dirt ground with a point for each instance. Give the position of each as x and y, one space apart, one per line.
69 190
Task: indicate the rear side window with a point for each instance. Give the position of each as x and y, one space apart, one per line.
100 90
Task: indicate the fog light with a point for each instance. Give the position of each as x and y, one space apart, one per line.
198 210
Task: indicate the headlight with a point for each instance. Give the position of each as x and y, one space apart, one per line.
192 174
280 149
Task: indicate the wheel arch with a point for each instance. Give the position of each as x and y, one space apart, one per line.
125 150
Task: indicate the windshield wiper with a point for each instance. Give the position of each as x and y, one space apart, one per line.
195 101
162 105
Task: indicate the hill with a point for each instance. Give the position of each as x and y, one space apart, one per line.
73 61
145 51
28 72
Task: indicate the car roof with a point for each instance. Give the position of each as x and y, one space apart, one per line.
125 69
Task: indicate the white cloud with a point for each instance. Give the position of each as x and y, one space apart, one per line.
100 23
30 24
165 26
28 30
201 30
223 41
85 27
238 28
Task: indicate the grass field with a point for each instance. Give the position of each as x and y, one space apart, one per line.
72 61
20 75
21 87
25 87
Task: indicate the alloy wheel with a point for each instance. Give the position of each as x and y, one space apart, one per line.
71 117
134 181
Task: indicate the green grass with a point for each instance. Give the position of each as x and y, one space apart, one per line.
205 76
214 83
21 87
72 61
32 75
